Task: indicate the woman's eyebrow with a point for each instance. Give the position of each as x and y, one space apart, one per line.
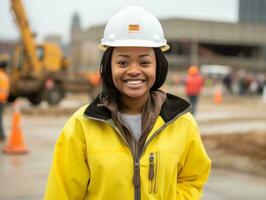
146 55
127 56
123 55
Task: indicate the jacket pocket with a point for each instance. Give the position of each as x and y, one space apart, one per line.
154 160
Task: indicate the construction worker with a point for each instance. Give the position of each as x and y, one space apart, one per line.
133 141
4 92
193 85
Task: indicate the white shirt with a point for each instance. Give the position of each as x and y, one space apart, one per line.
133 123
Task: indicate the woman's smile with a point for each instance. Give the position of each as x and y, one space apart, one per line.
134 83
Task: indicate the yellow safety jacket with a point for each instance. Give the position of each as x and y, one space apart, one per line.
93 161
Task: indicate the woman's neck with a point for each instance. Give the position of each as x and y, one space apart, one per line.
132 106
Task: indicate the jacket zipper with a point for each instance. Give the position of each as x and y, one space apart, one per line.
153 172
136 177
136 180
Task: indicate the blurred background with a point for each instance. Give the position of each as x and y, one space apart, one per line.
52 56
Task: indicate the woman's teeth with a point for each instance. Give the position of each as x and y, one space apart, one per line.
134 82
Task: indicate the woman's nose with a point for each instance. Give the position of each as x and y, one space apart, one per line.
134 69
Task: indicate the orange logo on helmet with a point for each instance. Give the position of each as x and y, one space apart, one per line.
133 28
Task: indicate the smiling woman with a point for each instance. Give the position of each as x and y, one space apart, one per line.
141 59
133 141
133 73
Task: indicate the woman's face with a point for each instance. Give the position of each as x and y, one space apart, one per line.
133 70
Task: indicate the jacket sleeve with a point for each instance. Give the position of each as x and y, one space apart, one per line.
195 167
69 174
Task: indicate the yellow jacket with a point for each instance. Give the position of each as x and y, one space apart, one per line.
93 161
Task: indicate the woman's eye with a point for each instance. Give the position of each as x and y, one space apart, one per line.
145 63
122 63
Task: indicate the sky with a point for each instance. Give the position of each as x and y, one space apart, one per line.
54 16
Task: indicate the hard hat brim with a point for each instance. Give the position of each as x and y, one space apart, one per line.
133 43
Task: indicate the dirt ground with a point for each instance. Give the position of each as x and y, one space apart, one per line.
234 150
252 144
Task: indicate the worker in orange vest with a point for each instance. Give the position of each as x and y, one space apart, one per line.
193 86
4 93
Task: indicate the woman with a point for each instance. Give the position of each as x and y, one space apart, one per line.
133 141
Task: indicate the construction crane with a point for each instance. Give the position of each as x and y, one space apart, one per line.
36 70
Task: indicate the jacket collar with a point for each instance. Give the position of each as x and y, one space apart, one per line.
171 107
174 106
96 111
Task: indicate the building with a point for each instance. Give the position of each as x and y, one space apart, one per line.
75 43
53 38
197 42
252 11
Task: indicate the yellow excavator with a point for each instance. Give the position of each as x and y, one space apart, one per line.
36 71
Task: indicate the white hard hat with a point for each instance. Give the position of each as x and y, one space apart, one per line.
133 27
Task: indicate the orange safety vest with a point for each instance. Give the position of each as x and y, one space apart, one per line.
194 84
4 86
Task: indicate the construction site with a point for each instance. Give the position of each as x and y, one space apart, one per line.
49 83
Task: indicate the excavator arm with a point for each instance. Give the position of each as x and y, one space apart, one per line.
27 39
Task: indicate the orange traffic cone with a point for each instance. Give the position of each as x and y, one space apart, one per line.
16 143
218 96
